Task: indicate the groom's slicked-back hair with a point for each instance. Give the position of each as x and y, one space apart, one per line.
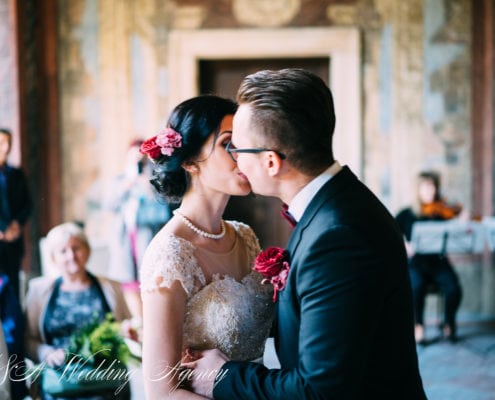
293 109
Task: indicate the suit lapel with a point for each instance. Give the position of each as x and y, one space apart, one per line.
329 189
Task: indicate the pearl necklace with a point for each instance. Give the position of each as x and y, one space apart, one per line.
201 232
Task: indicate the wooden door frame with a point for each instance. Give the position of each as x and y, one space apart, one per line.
483 97
36 40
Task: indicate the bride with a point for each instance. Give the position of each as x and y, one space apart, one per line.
198 287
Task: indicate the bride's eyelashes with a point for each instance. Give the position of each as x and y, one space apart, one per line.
225 138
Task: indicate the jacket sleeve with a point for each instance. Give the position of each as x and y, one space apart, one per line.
21 204
36 348
338 278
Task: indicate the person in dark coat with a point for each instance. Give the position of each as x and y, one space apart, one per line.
13 327
344 319
15 209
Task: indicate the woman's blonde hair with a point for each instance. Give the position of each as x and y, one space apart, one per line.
62 233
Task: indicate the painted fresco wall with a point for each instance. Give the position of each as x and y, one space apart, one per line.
417 96
114 86
415 74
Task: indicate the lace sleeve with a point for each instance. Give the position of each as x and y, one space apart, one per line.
167 259
250 239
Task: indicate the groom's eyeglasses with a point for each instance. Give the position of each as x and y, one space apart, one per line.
234 152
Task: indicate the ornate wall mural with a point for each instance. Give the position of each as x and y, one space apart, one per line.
415 78
265 12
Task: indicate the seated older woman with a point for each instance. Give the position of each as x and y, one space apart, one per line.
56 308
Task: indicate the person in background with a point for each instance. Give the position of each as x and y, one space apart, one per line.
138 217
15 208
197 281
12 320
343 326
56 308
427 269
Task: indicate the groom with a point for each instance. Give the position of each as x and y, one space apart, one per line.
344 322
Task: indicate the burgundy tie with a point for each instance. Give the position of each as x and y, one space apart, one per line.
288 216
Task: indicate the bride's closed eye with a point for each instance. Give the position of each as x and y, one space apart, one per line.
226 137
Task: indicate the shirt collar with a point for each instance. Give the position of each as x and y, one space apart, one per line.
302 199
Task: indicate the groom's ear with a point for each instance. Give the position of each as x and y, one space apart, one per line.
272 162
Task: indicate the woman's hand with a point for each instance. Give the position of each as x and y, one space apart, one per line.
132 328
13 232
55 358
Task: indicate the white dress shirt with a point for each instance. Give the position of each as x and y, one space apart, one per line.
302 199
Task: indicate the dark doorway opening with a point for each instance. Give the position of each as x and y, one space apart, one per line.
223 77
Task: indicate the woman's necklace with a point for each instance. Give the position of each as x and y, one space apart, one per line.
200 231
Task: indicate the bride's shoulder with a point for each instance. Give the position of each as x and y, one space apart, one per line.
166 259
242 229
167 242
246 233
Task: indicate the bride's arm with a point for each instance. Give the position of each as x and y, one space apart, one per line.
163 319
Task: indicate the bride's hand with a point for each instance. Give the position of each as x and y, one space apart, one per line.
206 367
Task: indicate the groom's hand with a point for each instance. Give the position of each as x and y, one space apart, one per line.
205 368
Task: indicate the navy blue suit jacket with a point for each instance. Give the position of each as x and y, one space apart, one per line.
344 323
19 203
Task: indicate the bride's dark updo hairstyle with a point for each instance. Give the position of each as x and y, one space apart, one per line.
195 120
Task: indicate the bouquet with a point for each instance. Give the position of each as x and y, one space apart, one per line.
96 360
99 342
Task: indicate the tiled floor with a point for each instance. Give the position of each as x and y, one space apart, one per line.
464 370
461 371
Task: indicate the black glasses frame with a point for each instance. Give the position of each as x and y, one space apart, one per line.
231 151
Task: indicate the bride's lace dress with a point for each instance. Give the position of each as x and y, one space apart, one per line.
232 316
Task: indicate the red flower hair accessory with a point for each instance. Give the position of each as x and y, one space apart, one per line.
273 264
163 144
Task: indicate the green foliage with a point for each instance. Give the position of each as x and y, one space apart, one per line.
99 341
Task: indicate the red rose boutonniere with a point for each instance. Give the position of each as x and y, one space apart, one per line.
273 264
